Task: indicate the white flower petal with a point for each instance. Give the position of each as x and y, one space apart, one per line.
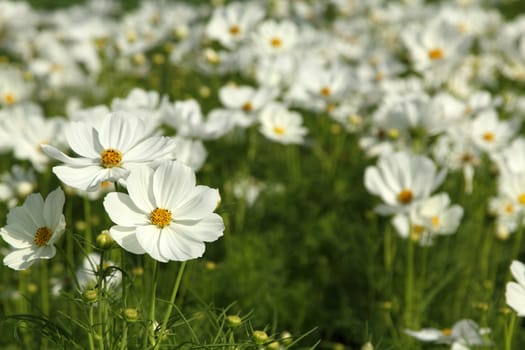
139 184
177 246
123 211
426 334
19 224
34 207
53 208
517 269
86 178
45 252
121 131
16 241
83 140
515 297
60 156
202 202
126 237
150 149
172 184
149 238
20 259
208 229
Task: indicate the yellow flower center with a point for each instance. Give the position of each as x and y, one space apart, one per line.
131 36
509 208
435 54
405 196
355 119
106 184
247 107
110 158
279 130
417 232
467 158
235 30
325 91
9 98
276 42
160 217
435 221
521 198
42 236
488 136
330 107
447 332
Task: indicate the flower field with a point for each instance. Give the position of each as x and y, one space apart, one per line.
263 174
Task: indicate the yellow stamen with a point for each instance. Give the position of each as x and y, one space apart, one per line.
489 136
105 184
276 42
110 158
247 107
160 217
436 54
405 196
131 36
279 130
435 221
325 91
42 236
330 107
355 119
393 133
509 208
9 98
235 30
447 332
417 232
521 198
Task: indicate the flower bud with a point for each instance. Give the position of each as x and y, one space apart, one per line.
233 321
104 240
260 337
273 345
32 288
367 346
137 271
131 314
90 295
286 338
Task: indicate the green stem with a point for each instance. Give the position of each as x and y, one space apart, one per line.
91 328
44 285
124 342
44 292
387 253
294 166
151 332
101 300
509 331
409 286
87 218
519 238
171 303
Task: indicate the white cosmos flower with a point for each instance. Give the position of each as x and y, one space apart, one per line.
33 228
87 274
515 292
402 180
281 125
463 334
109 152
165 214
